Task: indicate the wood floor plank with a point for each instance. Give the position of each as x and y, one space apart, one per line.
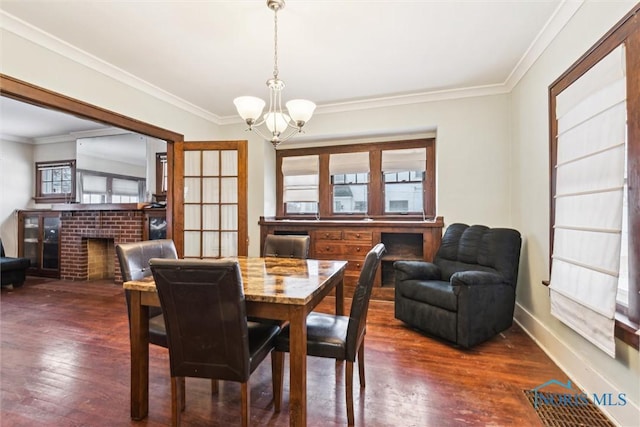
65 362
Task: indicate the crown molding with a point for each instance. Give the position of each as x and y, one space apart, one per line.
13 138
560 17
35 35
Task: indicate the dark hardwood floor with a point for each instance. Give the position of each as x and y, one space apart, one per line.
65 362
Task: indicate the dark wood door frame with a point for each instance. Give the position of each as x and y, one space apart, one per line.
32 94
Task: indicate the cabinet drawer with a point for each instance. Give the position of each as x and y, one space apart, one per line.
358 235
328 235
338 248
355 265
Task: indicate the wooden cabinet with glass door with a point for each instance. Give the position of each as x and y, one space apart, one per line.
39 240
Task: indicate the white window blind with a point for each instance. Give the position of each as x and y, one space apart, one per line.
346 163
591 116
300 178
94 184
124 187
410 159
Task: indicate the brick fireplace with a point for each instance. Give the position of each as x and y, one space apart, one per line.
83 232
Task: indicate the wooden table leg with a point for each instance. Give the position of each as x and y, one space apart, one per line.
340 298
139 336
298 368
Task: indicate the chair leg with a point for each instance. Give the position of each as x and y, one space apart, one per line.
183 394
245 404
214 386
277 370
177 393
348 379
361 364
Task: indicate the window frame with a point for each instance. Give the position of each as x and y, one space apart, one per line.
627 32
109 185
59 197
161 174
376 182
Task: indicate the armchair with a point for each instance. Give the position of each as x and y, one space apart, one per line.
467 295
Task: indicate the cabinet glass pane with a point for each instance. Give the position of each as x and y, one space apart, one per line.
211 217
192 190
211 244
192 163
229 162
192 217
30 250
229 217
157 228
51 229
192 244
211 163
211 190
229 190
229 244
50 255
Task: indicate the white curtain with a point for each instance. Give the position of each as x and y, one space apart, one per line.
300 178
591 116
410 159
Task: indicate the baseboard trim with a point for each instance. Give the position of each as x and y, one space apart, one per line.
581 371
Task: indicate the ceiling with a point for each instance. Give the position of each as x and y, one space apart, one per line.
342 55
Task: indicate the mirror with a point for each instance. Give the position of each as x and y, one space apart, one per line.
118 168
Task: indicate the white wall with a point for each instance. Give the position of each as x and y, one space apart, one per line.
16 160
586 365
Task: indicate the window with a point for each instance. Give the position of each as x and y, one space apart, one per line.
55 181
300 189
349 181
594 150
97 187
393 179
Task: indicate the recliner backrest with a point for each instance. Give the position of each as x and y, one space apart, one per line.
361 298
205 315
479 248
286 246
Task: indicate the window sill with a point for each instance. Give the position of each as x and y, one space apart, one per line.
625 329
56 199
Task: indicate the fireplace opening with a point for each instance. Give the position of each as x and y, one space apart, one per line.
100 255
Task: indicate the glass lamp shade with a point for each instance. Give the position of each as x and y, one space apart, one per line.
276 122
249 107
300 110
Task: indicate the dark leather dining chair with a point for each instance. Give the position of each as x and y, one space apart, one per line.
337 337
207 332
134 265
286 246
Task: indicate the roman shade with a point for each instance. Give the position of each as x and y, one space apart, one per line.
300 178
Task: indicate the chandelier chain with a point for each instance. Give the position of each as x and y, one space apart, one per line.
275 45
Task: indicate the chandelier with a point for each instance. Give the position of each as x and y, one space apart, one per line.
281 125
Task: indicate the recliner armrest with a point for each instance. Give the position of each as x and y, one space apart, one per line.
407 270
475 278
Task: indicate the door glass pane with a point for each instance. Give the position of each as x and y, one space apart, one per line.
229 244
229 162
192 217
229 217
211 190
211 217
192 163
229 190
192 244
211 244
211 163
192 190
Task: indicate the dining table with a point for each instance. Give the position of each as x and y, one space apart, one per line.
286 289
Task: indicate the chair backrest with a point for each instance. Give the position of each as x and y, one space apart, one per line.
478 247
361 298
286 246
205 318
1 249
134 257
134 262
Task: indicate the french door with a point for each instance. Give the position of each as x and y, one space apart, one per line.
210 198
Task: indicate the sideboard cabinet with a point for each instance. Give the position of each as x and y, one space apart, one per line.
351 240
39 240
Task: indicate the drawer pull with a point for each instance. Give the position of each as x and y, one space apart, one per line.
358 235
358 249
